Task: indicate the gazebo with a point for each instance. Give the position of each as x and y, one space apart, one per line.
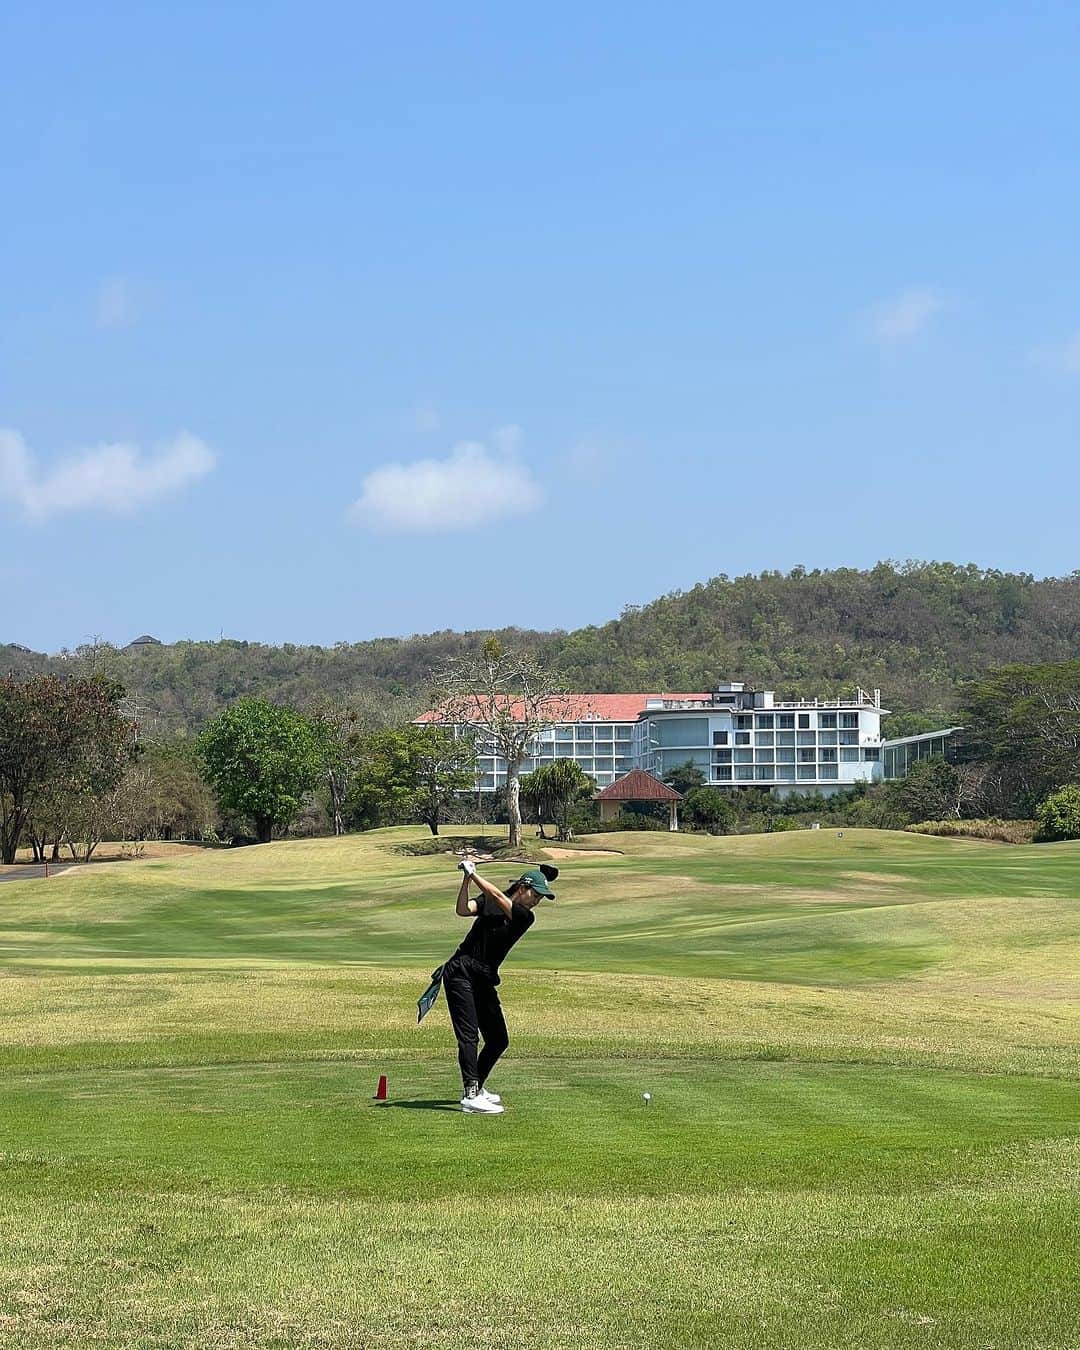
638 786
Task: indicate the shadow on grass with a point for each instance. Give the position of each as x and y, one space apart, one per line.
442 1104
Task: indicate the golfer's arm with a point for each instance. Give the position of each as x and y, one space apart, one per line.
493 893
466 908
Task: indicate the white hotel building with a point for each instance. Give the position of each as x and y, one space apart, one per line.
736 737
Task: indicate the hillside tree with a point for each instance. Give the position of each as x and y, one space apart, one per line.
261 760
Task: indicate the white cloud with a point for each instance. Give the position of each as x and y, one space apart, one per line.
906 315
118 303
1066 357
115 478
472 486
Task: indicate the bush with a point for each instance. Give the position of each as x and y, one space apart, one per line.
630 820
707 809
1004 831
1059 816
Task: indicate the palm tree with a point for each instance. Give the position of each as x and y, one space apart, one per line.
552 792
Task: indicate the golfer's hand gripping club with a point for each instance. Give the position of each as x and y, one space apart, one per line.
482 884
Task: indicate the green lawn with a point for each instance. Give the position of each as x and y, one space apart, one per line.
863 1055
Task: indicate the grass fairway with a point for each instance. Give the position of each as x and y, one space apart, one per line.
863 1054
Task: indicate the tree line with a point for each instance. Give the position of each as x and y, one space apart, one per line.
76 769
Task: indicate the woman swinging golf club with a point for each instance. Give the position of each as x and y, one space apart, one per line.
471 974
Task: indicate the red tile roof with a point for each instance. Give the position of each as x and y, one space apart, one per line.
638 786
601 707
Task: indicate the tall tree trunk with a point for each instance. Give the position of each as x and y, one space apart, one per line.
513 802
12 830
335 802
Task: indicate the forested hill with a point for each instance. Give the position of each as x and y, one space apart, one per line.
915 630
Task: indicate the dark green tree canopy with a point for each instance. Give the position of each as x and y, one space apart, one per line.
60 739
262 760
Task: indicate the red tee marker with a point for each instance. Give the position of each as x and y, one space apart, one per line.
380 1093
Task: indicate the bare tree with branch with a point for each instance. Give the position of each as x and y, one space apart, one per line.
504 700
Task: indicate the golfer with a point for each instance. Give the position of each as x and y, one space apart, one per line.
471 974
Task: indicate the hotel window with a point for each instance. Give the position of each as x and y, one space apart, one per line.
604 732
848 756
765 721
849 738
742 738
586 765
719 738
786 756
744 756
721 774
785 738
624 733
871 754
763 738
828 771
605 747
786 772
804 721
827 720
763 756
828 756
624 765
807 770
806 738
763 774
826 737
785 721
743 722
849 721
807 756
564 733
564 751
744 773
584 733
721 756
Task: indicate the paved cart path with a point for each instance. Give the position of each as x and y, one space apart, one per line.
28 871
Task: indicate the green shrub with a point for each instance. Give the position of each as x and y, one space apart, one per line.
1003 831
1059 815
707 809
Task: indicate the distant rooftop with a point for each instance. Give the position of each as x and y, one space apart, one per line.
145 641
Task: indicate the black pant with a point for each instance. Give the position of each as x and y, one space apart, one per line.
475 1011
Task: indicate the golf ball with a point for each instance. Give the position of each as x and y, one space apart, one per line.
646 1096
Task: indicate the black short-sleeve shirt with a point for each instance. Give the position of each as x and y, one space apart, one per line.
493 934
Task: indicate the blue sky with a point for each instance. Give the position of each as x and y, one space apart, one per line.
320 322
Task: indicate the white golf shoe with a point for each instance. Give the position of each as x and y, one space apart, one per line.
480 1103
491 1096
